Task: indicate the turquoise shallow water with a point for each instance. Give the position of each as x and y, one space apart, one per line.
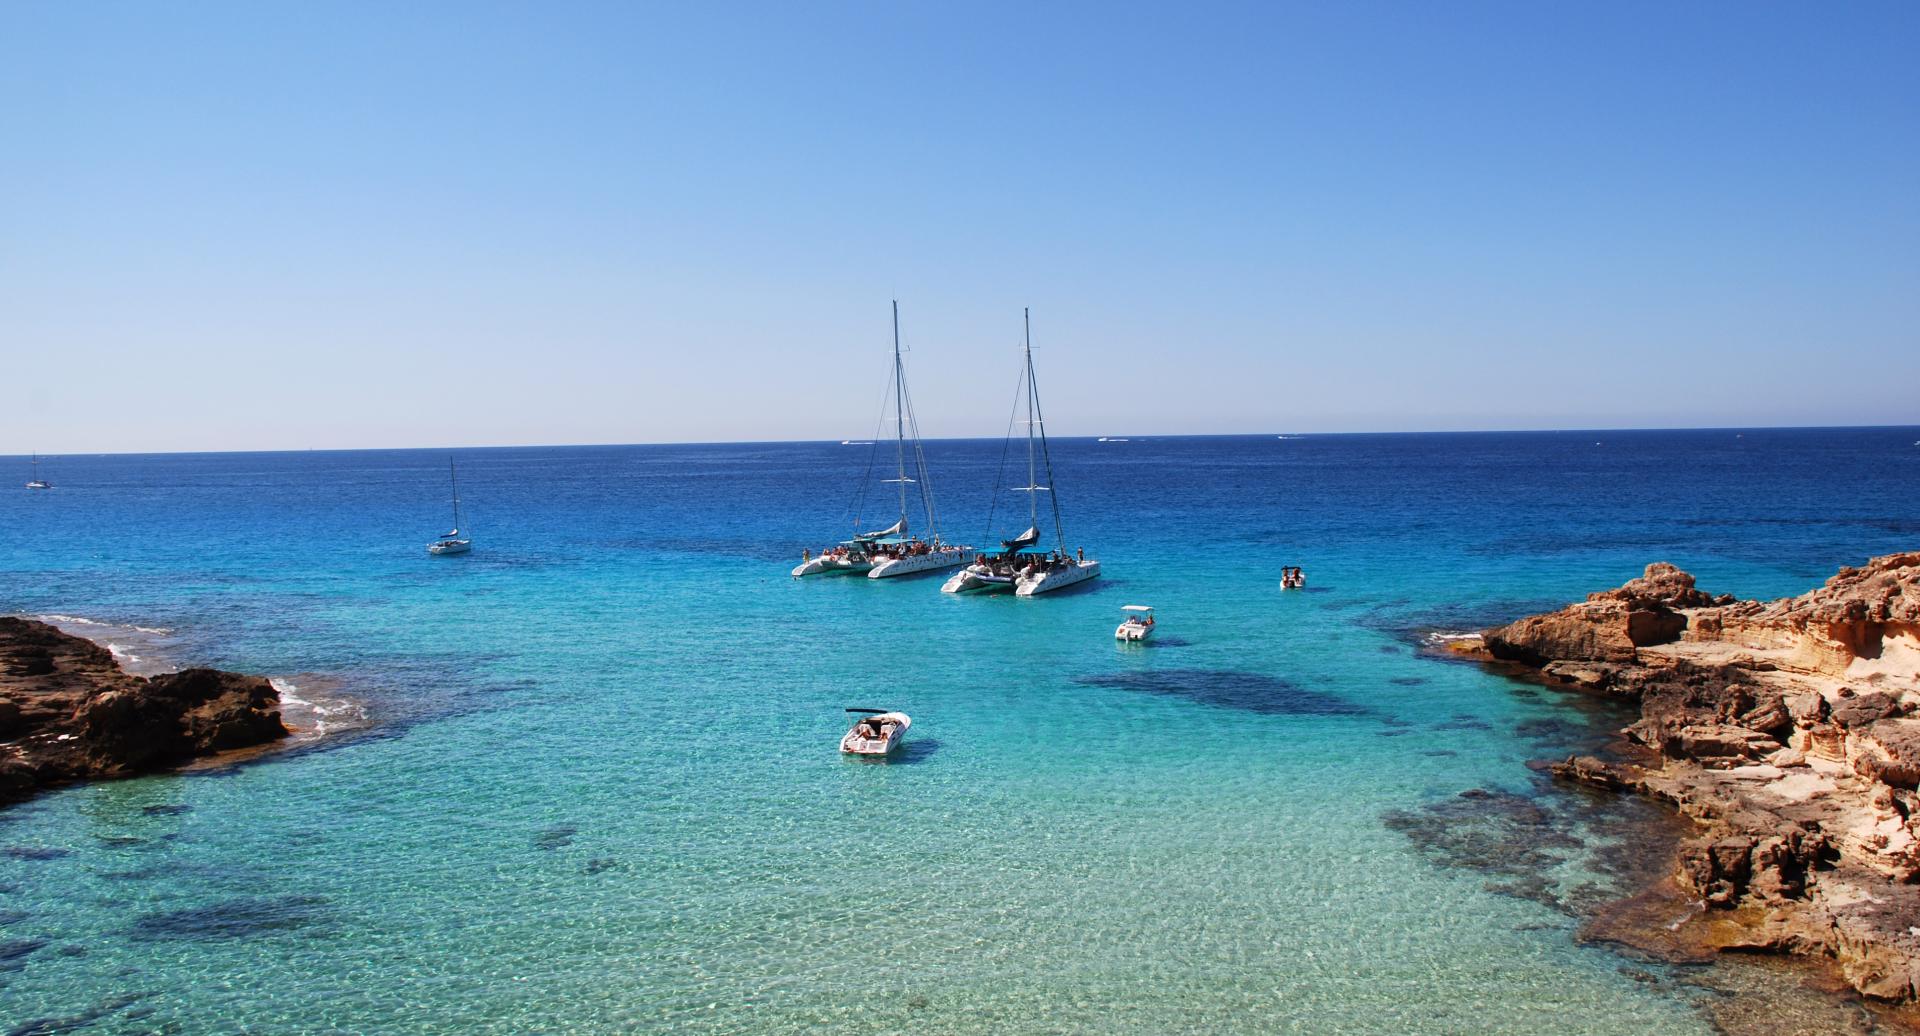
596 789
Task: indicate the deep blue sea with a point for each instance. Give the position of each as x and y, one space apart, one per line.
584 779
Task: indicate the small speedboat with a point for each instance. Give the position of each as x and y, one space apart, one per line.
1292 579
876 732
1139 624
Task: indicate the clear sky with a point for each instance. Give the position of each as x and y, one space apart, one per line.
278 225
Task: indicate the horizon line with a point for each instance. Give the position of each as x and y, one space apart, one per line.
972 438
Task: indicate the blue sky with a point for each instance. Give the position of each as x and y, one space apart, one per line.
270 225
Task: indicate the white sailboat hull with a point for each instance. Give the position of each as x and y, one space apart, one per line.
825 566
945 557
1049 581
450 547
973 579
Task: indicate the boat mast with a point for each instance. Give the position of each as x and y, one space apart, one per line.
899 417
454 478
1036 418
1033 485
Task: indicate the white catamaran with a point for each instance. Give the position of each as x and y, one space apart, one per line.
36 482
1022 565
452 542
892 551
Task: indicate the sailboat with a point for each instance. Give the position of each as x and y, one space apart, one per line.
893 551
452 542
36 482
1023 565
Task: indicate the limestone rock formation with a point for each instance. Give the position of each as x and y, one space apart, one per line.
1789 731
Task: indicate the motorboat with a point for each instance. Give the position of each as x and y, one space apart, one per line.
877 732
452 542
893 551
1292 579
1022 565
1138 624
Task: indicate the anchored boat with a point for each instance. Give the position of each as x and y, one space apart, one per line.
877 732
452 542
1138 625
1022 565
36 482
892 551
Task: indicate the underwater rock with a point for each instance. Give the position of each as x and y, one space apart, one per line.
1228 689
230 918
69 713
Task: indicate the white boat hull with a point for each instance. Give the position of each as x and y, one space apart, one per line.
853 743
973 580
1132 631
450 547
826 566
1054 579
945 557
37 484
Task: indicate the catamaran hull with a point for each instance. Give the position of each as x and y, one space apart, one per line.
830 567
907 566
1047 582
969 581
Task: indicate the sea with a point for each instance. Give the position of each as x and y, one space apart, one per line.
585 778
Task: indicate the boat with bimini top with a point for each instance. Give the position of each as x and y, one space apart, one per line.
892 551
1138 625
1023 565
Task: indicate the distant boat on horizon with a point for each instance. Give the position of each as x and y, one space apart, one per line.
452 542
36 482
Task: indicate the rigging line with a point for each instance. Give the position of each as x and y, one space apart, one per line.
873 451
1006 445
1053 494
920 468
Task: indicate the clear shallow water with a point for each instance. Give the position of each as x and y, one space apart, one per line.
599 791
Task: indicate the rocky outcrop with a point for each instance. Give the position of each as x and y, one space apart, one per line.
1608 626
1788 731
69 713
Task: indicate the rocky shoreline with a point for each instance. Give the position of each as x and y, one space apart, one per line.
1787 732
70 713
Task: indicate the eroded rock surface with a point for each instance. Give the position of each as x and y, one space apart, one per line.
1788 731
69 713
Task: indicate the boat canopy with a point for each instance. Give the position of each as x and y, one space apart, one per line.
896 529
1135 608
871 541
1025 539
1028 549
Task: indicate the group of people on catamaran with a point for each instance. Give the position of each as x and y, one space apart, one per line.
911 549
1292 578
